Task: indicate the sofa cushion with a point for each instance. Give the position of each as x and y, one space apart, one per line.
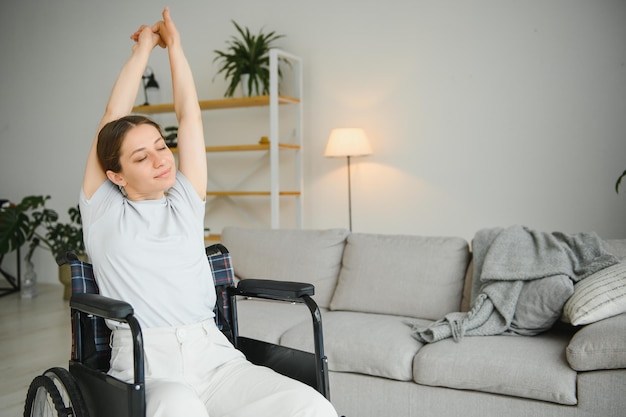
597 297
522 366
600 345
371 344
312 256
402 275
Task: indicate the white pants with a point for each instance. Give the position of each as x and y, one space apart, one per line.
195 371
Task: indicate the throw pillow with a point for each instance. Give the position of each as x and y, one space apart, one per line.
540 304
597 297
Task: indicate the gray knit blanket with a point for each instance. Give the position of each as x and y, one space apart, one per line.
522 279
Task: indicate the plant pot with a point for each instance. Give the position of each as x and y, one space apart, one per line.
245 91
65 276
245 87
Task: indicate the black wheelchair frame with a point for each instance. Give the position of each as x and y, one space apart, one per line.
86 390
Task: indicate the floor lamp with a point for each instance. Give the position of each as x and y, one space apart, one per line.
348 142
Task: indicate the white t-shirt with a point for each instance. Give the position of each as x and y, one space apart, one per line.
151 253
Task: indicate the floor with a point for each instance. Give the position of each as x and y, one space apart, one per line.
34 336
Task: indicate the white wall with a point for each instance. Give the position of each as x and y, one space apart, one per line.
484 113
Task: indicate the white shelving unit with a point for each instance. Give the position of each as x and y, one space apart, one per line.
277 145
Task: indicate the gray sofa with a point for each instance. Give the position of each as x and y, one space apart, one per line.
374 288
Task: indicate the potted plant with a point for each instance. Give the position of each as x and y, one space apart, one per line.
61 238
247 61
19 224
31 222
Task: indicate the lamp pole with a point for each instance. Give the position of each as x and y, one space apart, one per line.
144 81
349 194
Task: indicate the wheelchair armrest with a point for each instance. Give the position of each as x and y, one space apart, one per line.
101 306
109 308
274 290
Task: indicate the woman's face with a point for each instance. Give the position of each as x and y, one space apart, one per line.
148 165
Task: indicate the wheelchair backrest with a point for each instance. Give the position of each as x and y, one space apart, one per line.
96 334
96 351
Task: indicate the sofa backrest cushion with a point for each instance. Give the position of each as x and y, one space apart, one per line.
410 276
312 256
617 247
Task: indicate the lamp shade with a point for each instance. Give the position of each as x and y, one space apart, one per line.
151 81
347 141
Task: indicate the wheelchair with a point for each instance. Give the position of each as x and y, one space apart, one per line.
86 390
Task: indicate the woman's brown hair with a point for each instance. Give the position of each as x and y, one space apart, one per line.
111 137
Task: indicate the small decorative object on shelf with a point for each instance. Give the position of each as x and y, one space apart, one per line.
171 136
247 59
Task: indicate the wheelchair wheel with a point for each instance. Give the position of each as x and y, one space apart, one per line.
54 394
69 390
43 399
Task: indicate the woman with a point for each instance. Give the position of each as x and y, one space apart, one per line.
143 224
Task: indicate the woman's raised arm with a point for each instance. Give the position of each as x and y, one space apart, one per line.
121 100
191 147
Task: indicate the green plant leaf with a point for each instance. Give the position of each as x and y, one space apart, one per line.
14 227
619 180
33 223
19 222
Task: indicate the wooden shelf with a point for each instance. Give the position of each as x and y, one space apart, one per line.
239 148
249 193
224 103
